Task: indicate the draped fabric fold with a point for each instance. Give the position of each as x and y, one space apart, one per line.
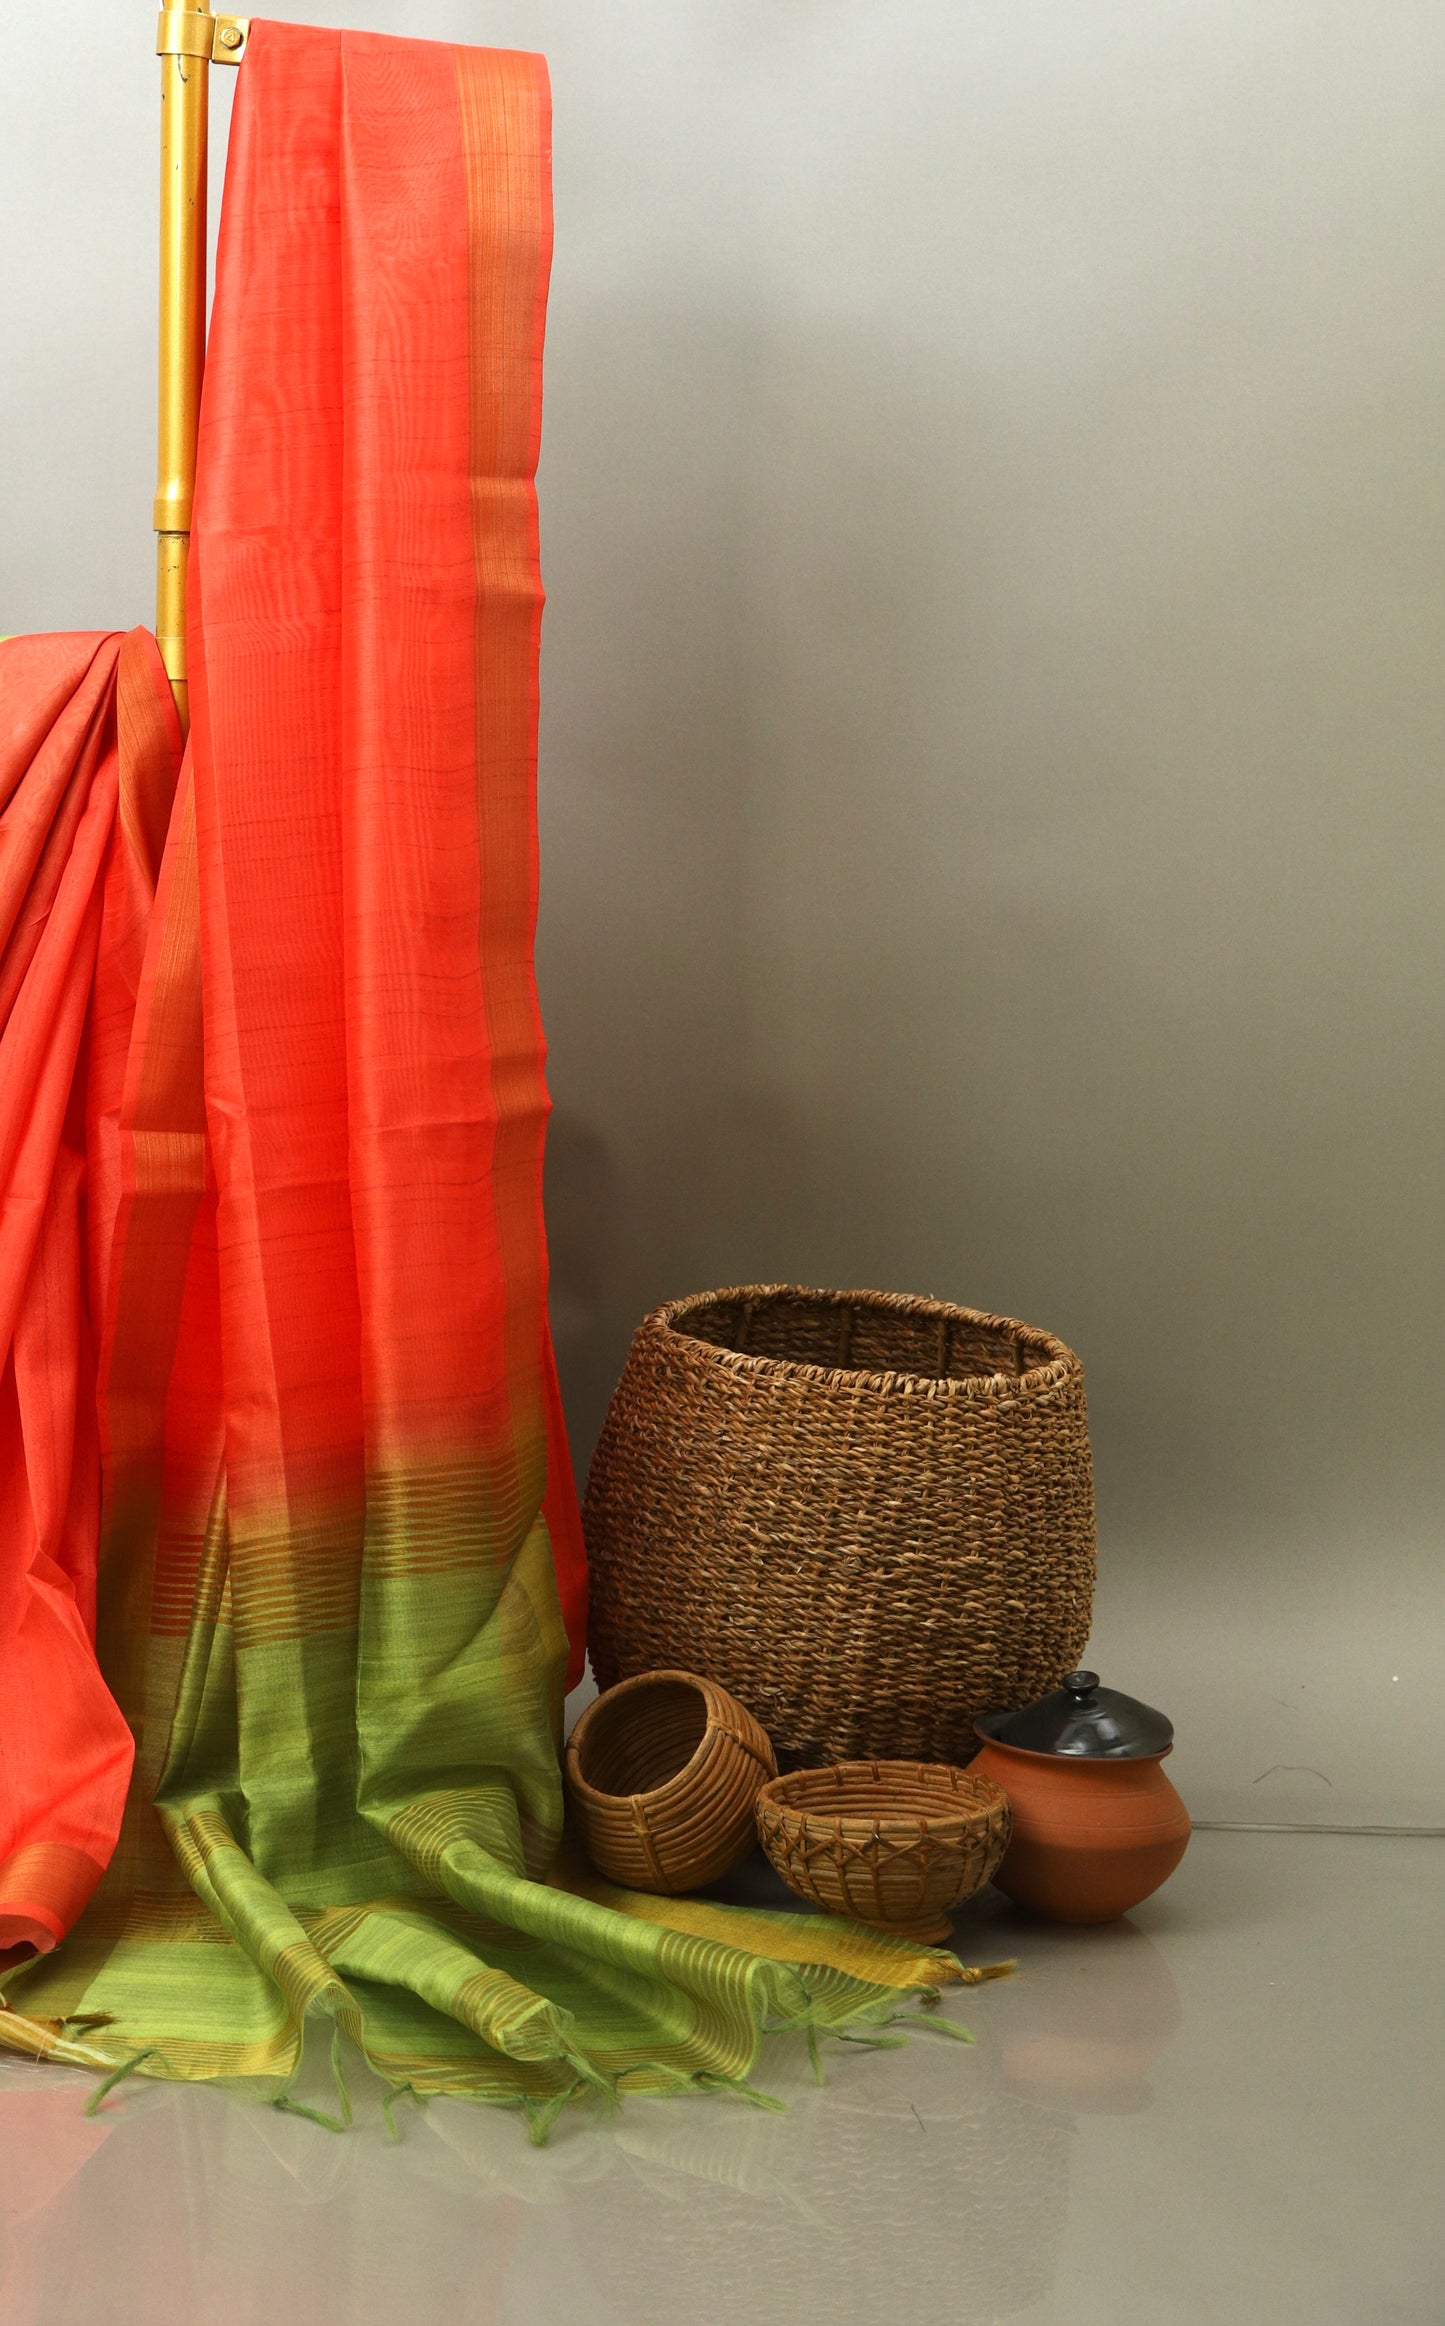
89 749
270 1139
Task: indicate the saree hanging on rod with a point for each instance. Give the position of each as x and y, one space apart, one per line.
340 1552
89 749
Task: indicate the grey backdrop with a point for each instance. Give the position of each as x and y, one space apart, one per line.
992 737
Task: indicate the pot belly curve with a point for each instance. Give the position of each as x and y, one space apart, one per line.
1091 1838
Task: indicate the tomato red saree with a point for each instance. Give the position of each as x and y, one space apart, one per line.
89 749
339 1553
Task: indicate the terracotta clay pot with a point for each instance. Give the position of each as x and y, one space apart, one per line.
1091 1837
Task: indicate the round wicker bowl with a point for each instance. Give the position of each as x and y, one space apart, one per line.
894 1842
662 1773
870 1517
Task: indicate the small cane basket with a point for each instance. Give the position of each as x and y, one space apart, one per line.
894 1842
869 1517
662 1773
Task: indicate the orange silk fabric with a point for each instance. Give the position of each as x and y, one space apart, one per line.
366 605
89 751
272 1104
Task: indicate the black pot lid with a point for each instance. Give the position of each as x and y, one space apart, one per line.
1085 1721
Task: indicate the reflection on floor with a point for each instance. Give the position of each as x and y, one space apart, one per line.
1225 2111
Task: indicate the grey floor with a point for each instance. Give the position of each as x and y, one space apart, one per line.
1227 2111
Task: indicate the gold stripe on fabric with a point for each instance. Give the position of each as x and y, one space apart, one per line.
150 742
506 132
295 1582
165 1129
188 1566
173 1593
442 1519
54 1875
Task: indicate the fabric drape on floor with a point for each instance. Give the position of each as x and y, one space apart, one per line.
340 1547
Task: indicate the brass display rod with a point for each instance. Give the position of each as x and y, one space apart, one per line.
187 41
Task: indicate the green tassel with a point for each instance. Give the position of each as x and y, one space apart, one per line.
290 2107
814 2054
945 2027
388 2104
738 2089
543 2114
604 2086
117 2076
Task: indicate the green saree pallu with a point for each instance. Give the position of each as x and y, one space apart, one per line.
338 1548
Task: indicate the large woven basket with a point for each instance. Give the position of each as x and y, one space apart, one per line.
870 1517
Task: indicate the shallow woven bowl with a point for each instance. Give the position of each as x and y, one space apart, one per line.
893 1842
662 1773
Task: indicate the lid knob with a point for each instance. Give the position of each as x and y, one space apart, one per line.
1081 1683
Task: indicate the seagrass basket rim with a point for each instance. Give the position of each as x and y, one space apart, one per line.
804 1798
1057 1364
604 1706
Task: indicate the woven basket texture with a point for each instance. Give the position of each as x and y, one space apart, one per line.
870 1517
662 1773
898 1842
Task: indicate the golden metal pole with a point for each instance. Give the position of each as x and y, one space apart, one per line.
187 38
184 75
